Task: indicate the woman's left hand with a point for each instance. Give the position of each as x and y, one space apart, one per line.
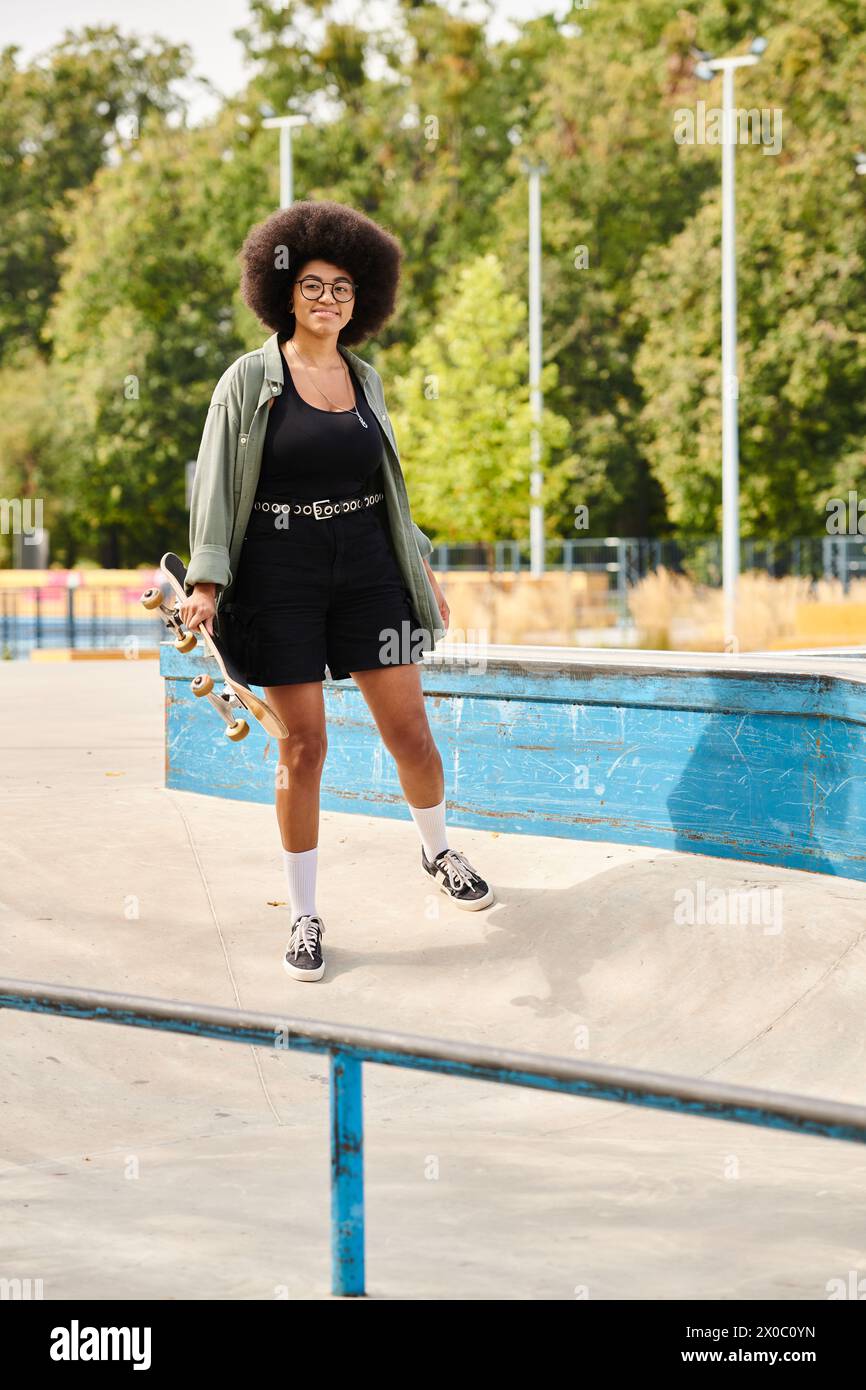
444 610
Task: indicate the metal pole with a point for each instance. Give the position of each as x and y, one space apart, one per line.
730 380
284 125
536 510
285 166
347 1176
730 384
620 581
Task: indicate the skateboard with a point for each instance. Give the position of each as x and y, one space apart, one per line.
236 695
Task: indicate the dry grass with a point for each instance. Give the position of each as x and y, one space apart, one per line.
672 612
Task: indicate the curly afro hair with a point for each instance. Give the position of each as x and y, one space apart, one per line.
311 230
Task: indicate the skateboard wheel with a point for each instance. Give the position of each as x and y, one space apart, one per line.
186 642
238 730
151 598
202 685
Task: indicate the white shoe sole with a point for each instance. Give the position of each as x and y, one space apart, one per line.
298 974
475 906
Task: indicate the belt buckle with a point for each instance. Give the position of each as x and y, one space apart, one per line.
321 502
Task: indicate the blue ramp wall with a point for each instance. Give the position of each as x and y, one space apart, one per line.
753 757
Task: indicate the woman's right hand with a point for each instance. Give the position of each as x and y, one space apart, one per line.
200 608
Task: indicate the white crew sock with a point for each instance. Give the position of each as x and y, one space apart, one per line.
301 878
430 821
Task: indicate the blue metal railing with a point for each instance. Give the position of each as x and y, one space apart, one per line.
349 1047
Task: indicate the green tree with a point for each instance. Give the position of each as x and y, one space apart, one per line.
142 329
410 122
34 438
461 414
801 227
615 187
64 116
423 124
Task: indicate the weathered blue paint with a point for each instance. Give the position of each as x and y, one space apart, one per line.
347 1175
724 756
350 1047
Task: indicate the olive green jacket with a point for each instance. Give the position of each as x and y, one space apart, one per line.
227 473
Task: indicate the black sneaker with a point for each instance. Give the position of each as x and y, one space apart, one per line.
304 959
458 879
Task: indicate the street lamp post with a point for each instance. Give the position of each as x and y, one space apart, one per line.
285 125
536 508
706 68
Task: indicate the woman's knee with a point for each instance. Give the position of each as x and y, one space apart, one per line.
304 750
412 742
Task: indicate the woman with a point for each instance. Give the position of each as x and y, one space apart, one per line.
302 547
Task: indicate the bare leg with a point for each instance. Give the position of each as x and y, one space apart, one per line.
395 698
301 759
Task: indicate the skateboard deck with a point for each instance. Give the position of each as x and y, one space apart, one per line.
236 696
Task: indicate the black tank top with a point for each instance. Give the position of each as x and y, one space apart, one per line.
310 453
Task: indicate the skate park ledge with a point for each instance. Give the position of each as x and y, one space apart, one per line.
758 757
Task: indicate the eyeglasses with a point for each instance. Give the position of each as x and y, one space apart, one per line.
313 288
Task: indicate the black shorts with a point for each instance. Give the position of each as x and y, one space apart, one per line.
318 593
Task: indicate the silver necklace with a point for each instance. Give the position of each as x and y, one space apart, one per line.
340 410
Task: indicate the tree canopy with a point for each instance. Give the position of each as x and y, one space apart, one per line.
119 303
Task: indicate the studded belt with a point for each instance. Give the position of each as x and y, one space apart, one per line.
323 508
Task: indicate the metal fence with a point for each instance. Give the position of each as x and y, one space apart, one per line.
95 616
46 616
628 558
348 1048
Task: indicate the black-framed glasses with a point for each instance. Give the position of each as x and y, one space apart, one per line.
313 288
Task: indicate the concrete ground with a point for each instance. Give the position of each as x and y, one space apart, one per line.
157 1167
